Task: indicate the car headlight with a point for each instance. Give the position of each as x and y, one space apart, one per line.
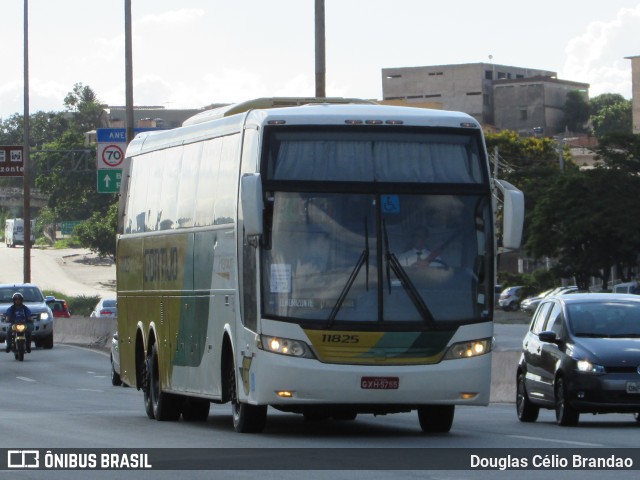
285 346
44 316
469 349
587 367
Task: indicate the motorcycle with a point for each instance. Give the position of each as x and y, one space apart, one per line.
19 340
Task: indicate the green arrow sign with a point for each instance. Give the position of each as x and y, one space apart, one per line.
109 180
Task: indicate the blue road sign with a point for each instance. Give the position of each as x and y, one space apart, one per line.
117 135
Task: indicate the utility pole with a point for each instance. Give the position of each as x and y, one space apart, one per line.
321 90
561 152
128 67
26 187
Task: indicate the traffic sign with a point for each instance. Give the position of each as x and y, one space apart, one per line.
109 180
110 155
11 164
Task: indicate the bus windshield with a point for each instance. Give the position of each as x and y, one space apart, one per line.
377 258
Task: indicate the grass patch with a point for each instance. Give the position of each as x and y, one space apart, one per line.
80 305
71 242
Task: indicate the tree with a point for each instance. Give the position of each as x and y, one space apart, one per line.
596 104
88 112
580 222
529 163
44 127
611 119
72 194
98 233
576 111
620 151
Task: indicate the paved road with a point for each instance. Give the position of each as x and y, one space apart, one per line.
69 271
62 398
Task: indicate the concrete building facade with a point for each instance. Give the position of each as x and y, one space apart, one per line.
635 92
534 104
508 97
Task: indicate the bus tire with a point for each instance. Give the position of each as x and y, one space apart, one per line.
146 387
246 418
166 407
436 418
195 409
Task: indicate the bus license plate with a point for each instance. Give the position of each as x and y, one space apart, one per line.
380 383
633 387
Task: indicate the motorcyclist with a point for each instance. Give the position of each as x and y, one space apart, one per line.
18 313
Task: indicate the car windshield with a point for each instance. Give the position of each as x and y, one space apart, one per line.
109 304
608 319
30 294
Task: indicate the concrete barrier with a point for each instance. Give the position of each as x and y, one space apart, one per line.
97 332
503 376
91 332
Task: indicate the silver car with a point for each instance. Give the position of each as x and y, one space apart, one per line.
41 315
115 361
106 307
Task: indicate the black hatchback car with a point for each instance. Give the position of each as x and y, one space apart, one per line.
581 355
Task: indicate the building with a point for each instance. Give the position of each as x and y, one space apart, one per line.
150 117
484 91
533 104
635 92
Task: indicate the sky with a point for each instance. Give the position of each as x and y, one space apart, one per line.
193 53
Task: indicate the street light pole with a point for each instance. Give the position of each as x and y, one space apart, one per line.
128 67
26 187
321 90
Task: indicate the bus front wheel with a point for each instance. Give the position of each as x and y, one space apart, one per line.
436 418
246 418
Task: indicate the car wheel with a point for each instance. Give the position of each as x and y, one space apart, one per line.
436 418
115 377
47 343
246 418
527 411
165 405
514 306
566 415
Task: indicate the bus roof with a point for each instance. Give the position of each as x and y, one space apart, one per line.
232 118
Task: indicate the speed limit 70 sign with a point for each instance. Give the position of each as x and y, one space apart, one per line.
110 155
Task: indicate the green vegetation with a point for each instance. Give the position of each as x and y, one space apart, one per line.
80 305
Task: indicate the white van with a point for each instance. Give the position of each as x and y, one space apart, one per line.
14 232
628 287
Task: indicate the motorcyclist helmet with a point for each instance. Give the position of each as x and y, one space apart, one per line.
17 296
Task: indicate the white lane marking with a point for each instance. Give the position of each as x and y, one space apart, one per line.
91 373
569 442
99 376
26 379
89 390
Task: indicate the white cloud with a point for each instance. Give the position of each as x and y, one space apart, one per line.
597 56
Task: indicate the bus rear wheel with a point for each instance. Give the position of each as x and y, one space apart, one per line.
246 418
436 418
165 405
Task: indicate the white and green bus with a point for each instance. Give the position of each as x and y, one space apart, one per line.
262 261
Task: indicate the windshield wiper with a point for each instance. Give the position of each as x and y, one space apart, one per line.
392 264
362 260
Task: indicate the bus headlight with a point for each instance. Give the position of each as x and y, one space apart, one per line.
285 346
474 348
